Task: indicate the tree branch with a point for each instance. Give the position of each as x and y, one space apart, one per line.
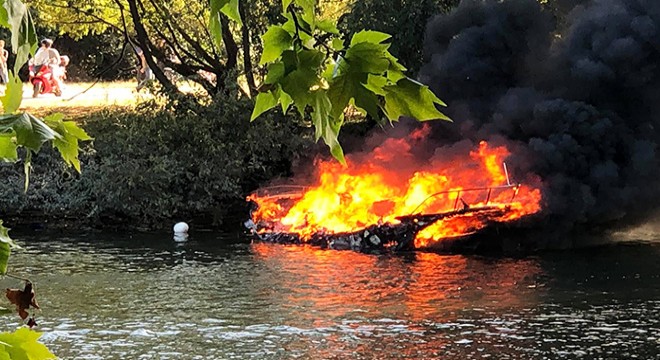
247 57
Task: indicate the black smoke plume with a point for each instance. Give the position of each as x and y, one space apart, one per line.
576 97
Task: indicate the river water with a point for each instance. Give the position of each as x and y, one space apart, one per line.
114 296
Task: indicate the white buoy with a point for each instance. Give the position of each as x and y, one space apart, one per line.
180 228
180 232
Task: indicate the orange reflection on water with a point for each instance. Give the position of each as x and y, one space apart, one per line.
323 286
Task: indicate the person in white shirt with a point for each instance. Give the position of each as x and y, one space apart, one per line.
47 55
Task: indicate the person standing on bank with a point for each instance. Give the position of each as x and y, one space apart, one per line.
145 75
4 55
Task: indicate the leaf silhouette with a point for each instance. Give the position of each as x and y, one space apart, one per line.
31 322
23 299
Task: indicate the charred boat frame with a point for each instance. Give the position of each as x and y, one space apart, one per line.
383 237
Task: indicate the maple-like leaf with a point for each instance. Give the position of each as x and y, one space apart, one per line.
23 299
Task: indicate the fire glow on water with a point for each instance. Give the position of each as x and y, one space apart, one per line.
378 187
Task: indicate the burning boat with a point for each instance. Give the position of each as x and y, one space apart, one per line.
375 204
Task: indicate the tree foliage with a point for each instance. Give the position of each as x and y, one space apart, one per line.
312 69
203 41
308 65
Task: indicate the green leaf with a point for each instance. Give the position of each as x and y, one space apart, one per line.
227 7
394 63
215 27
349 86
366 58
290 60
327 25
4 236
6 244
374 37
366 77
310 59
11 101
31 132
290 24
276 40
8 147
337 44
394 75
298 84
307 6
5 251
23 35
321 112
67 143
329 71
285 100
337 152
410 98
340 92
231 10
74 130
4 16
275 73
264 102
326 126
308 13
376 84
365 99
22 344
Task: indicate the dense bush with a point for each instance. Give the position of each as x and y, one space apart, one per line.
146 166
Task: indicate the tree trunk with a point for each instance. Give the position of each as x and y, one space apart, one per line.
232 54
247 57
145 44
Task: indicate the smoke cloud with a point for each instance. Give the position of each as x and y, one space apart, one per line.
576 98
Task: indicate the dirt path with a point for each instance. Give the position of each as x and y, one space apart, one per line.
80 97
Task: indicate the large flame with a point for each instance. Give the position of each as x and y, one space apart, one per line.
387 183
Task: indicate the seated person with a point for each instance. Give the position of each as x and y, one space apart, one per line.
60 71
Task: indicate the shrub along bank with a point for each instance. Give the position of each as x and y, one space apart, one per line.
151 166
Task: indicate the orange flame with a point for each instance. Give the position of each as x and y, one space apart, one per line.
389 183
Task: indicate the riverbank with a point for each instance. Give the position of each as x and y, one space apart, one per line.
150 165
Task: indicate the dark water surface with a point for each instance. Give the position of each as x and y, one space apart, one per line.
216 297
